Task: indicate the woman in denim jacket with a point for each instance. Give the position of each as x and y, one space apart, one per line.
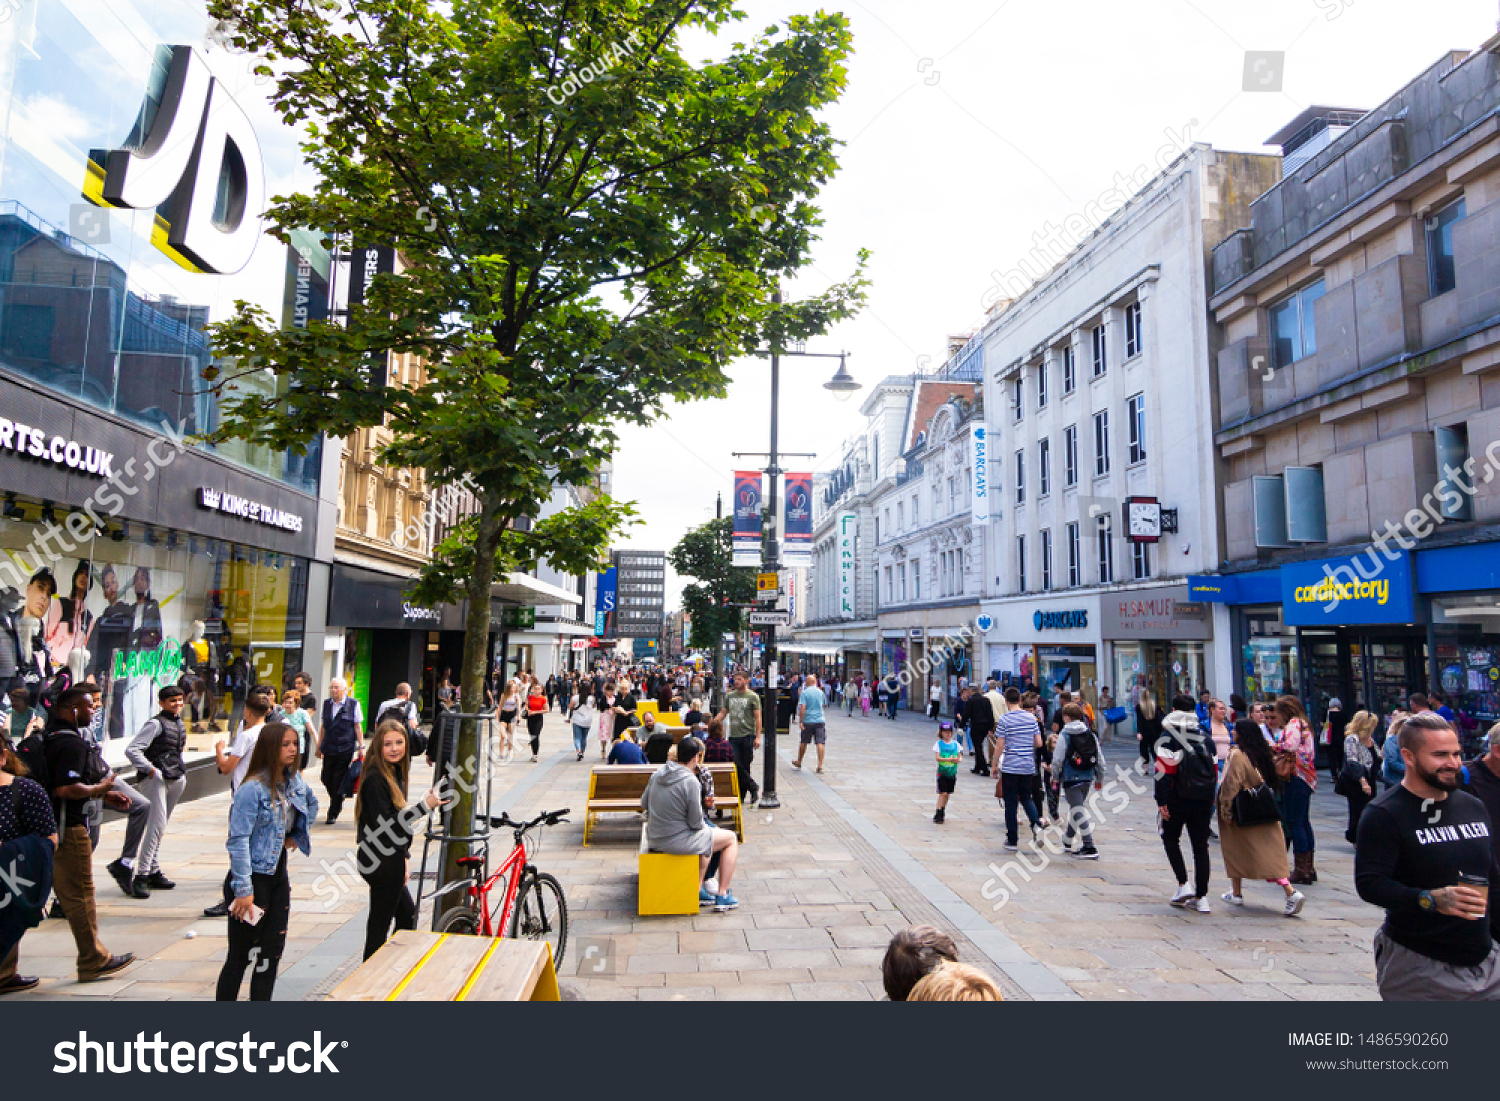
271 812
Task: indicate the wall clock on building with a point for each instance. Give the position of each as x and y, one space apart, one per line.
1142 519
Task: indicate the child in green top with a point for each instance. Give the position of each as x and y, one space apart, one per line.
948 753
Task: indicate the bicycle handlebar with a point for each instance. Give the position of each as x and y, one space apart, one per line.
547 817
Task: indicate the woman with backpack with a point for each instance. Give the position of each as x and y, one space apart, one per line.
1250 834
1296 754
1078 763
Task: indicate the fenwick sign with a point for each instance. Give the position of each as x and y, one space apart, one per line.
163 664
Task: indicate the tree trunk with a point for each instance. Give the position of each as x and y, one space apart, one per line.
467 753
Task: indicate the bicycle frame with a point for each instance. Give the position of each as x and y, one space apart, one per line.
479 891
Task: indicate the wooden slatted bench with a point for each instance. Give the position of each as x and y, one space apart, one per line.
416 966
617 789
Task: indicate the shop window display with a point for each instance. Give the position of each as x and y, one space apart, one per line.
133 610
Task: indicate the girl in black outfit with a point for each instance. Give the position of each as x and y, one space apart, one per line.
386 852
1148 727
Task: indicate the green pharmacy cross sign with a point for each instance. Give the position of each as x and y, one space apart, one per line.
163 665
522 619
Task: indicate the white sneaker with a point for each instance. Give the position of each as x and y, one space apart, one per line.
1036 834
1233 899
1294 903
711 885
1201 905
1183 896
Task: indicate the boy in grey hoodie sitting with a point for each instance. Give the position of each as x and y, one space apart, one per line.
673 802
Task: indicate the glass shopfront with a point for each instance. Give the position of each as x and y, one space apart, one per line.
90 307
1166 668
1268 664
144 607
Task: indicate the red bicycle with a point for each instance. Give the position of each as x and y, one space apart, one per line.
531 905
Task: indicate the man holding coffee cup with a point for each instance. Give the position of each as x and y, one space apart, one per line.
1425 854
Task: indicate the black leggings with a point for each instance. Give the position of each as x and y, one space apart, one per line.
534 728
1196 817
260 944
389 901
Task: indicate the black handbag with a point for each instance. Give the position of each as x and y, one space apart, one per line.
1255 806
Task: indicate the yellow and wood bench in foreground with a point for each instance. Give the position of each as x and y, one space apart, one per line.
415 966
617 789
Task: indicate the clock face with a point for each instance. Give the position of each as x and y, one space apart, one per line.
1145 519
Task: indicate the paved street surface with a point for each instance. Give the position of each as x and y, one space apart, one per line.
851 857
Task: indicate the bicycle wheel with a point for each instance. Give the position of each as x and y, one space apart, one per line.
542 914
461 920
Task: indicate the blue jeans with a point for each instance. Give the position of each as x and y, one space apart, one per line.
580 737
1296 801
1016 788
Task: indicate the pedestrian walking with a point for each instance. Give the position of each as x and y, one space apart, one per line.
742 711
811 721
1296 752
385 833
1148 726
28 841
157 752
1187 778
1424 853
582 716
1335 724
510 707
864 700
606 703
1078 764
948 753
342 742
1356 781
271 813
1017 738
934 700
893 697
981 730
535 712
300 719
1250 836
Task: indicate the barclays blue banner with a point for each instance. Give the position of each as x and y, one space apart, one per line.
604 603
1373 587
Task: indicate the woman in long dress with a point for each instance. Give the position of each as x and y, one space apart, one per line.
1258 851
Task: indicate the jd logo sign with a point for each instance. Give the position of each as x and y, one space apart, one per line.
195 161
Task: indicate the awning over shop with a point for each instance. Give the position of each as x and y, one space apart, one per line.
822 649
523 590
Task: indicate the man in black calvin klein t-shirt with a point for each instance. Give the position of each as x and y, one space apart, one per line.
1415 842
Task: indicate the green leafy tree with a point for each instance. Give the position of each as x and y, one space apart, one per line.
588 224
706 554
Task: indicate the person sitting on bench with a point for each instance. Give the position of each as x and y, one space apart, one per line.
625 751
673 802
656 740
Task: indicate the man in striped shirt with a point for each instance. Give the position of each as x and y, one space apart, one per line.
1018 736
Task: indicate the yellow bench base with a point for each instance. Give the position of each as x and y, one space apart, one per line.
666 884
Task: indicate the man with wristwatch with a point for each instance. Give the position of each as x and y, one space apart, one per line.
1424 854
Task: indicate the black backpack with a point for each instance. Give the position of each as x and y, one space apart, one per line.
1198 774
34 757
1083 752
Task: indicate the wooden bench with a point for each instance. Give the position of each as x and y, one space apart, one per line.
666 883
617 789
415 966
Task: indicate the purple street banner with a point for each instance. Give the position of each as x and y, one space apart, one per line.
747 498
798 548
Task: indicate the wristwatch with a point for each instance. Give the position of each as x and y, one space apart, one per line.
1426 901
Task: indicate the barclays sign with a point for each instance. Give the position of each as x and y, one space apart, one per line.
1060 621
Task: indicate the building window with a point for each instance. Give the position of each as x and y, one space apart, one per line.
916 519
1293 335
1070 373
1106 541
1442 275
901 579
1075 557
1046 559
1132 330
1455 494
900 517
916 579
1070 455
952 493
877 530
1041 385
890 587
1101 443
1140 560
1044 468
1017 396
1101 355
1021 563
889 531
1020 477
1135 419
943 574
937 499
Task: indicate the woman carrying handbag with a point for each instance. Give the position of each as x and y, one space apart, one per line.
1356 781
1249 824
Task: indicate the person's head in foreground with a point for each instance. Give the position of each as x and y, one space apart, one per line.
913 953
955 982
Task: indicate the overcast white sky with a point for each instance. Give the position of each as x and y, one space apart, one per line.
970 124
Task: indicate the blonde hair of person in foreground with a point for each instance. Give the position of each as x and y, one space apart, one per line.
955 982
